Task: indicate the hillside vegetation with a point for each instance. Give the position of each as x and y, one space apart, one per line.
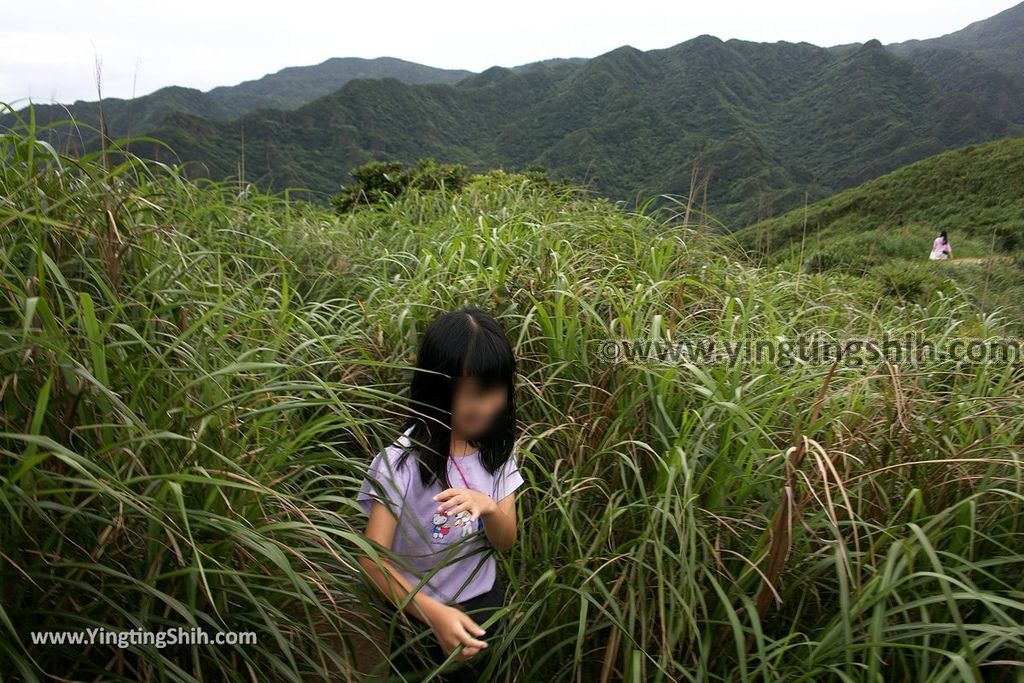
762 124
885 227
286 89
194 378
996 41
744 130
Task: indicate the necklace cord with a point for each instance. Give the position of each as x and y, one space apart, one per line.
461 473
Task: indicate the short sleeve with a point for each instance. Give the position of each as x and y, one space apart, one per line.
508 478
385 482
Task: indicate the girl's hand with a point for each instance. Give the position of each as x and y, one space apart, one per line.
453 628
454 501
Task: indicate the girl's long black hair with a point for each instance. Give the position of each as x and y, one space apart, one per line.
463 343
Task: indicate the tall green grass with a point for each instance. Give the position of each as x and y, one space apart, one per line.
193 379
884 228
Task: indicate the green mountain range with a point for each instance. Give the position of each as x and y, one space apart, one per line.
995 41
771 123
286 89
748 130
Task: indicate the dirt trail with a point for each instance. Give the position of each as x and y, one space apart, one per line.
980 261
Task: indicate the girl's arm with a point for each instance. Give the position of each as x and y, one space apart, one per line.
451 626
500 523
381 529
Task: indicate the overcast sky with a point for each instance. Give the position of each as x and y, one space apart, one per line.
49 51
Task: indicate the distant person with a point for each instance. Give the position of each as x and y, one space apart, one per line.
940 248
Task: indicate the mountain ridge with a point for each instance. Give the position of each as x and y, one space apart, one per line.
287 88
766 125
996 40
771 123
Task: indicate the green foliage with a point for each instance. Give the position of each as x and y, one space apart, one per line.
375 182
907 281
194 379
378 182
886 226
994 41
741 130
287 89
429 175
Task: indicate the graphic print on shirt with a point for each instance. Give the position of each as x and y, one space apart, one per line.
442 526
463 522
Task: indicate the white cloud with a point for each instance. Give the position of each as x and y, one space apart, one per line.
202 44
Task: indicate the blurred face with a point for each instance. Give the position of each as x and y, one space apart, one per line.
474 408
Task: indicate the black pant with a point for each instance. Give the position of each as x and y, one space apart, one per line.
410 662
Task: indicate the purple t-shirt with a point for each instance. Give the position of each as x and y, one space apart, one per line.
426 540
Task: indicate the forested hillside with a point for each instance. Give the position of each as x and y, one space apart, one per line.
768 124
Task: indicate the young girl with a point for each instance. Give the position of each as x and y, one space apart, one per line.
441 498
940 248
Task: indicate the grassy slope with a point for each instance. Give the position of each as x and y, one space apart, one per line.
886 226
193 382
